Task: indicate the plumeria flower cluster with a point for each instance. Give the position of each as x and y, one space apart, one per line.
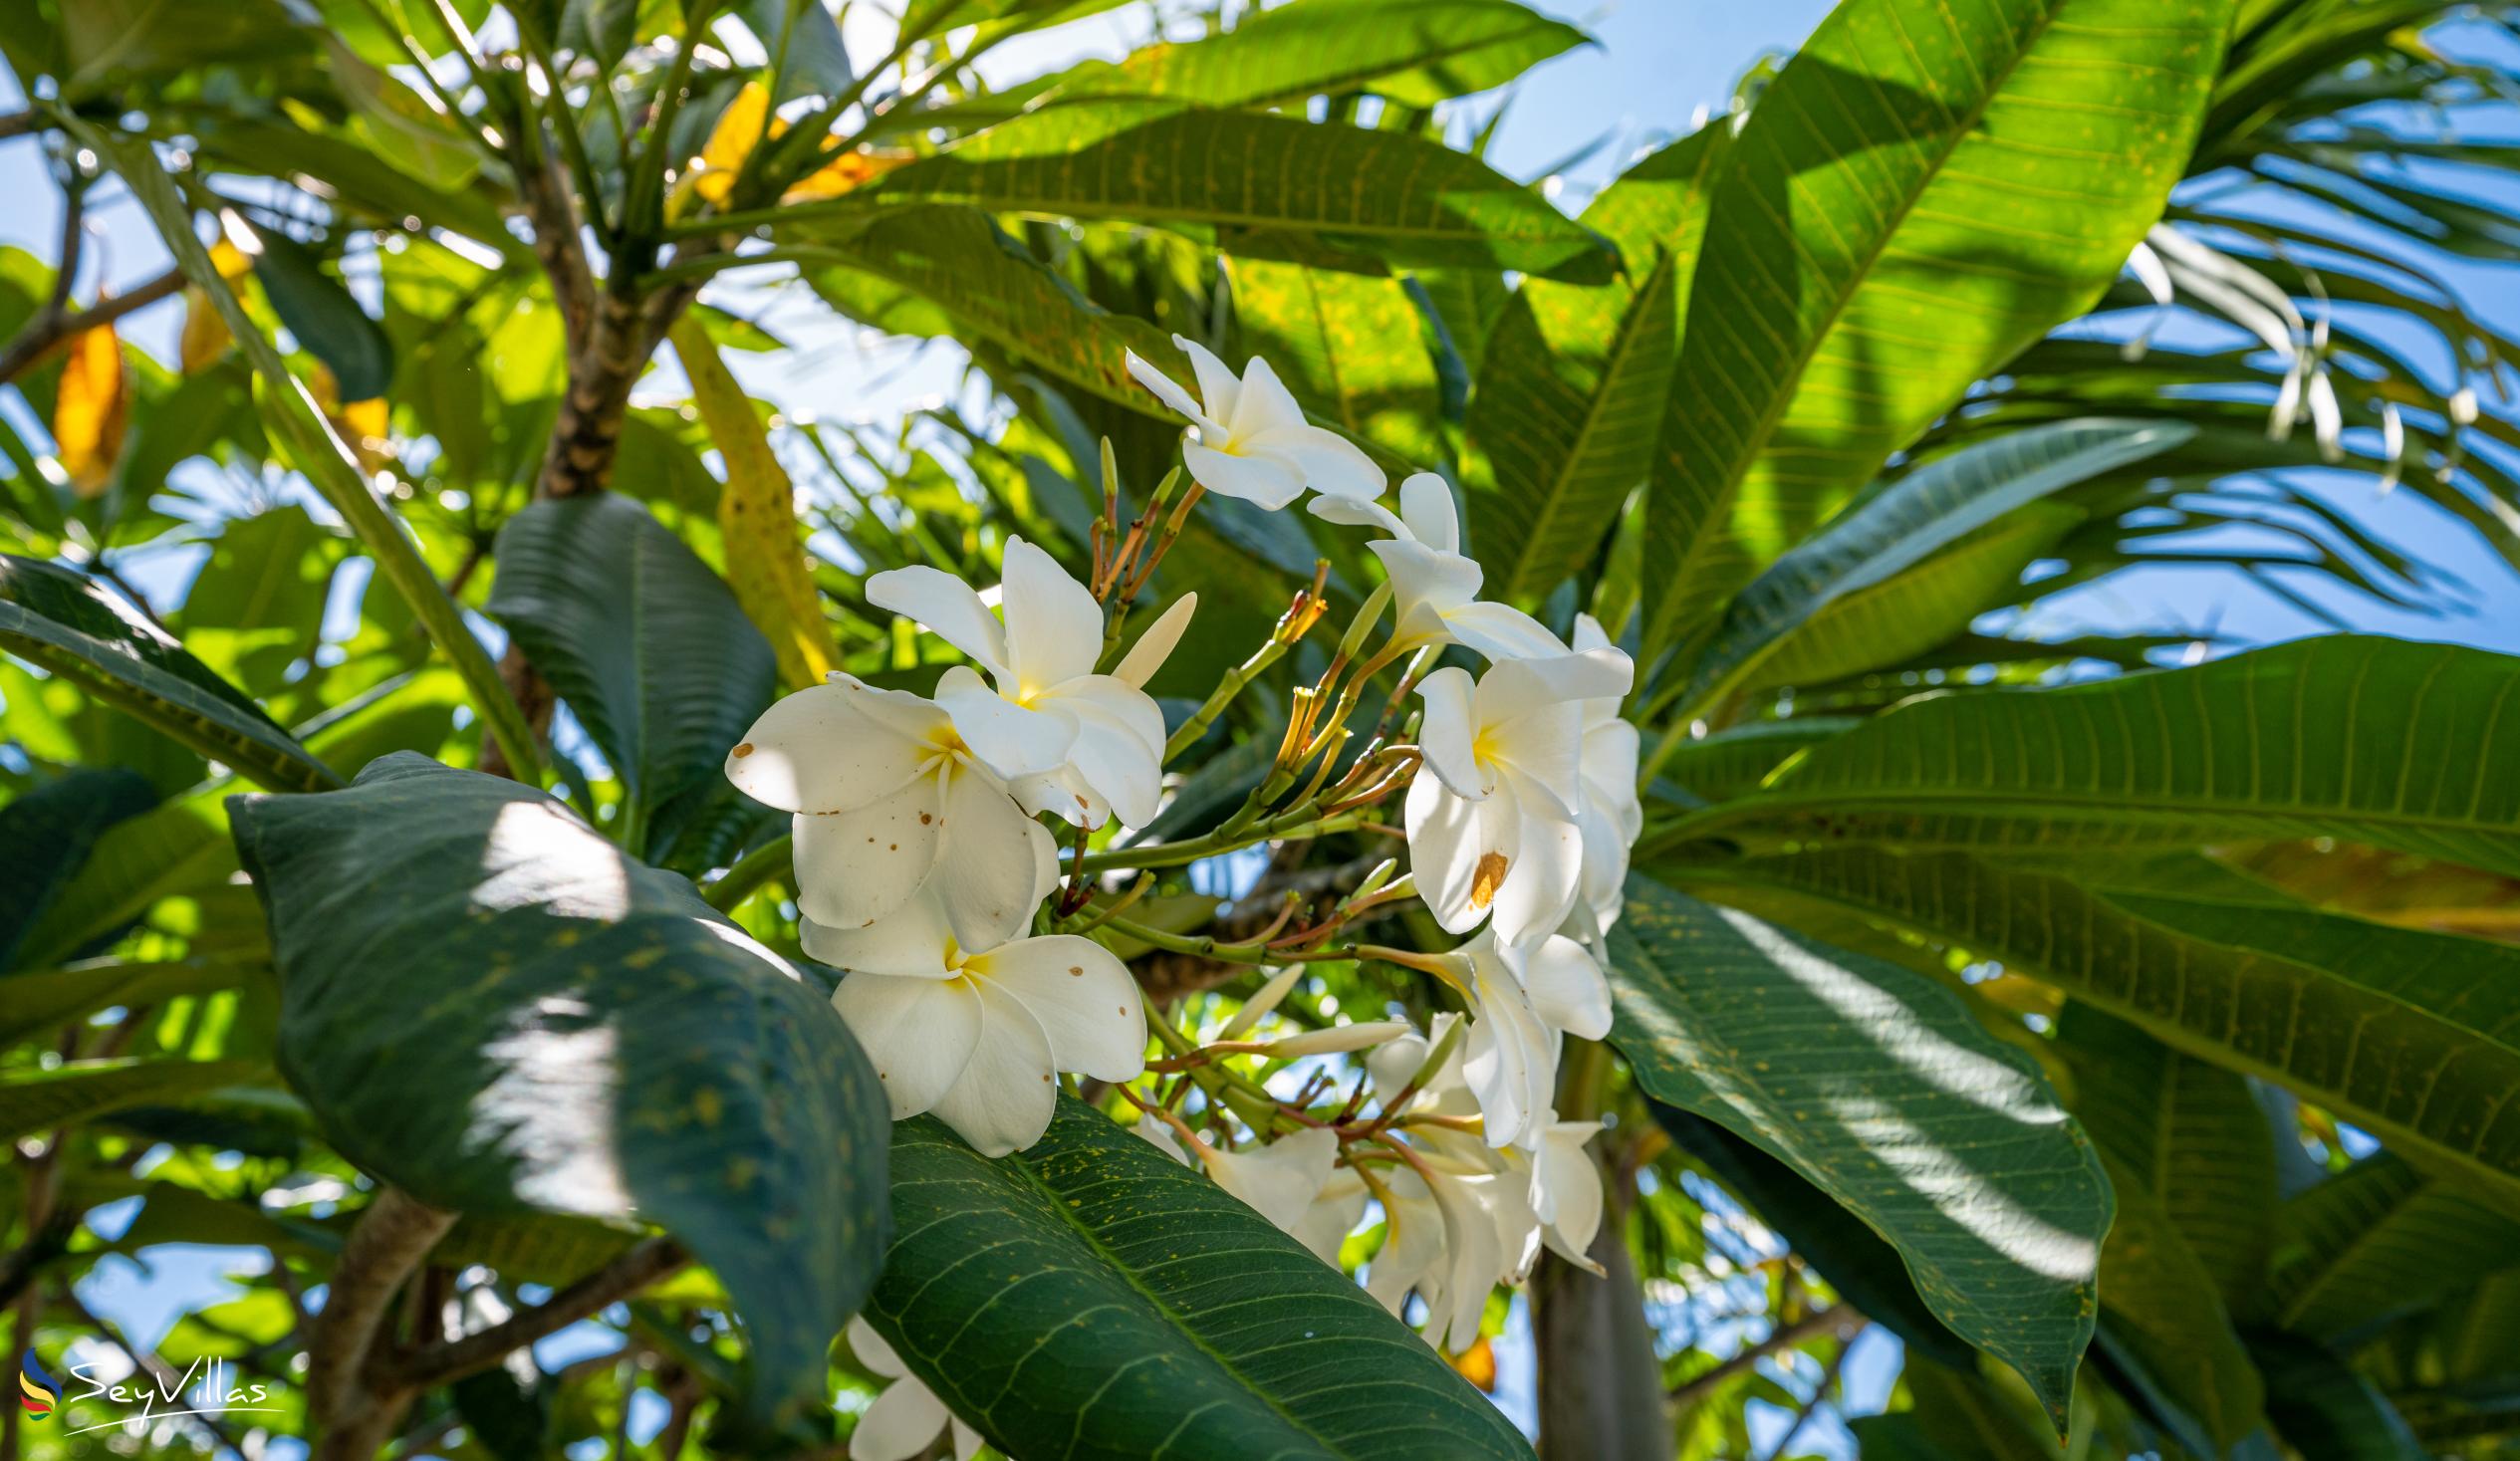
927 867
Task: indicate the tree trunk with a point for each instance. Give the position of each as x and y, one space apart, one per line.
1601 1387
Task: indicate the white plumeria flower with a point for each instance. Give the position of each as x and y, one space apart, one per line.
1292 1182
1524 999
1494 829
977 1036
890 801
908 1417
1067 740
1251 438
1612 815
1434 585
1566 1189
1454 1238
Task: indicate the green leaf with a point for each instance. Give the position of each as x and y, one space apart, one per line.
996 290
257 607
1090 1299
1918 195
107 43
2159 1300
1572 383
490 1006
1350 347
1413 52
803 41
179 847
1881 1088
328 323
2329 1410
42 1001
2422 1056
1270 186
652 650
65 622
81 1090
1958 1417
45 836
1733 762
2381 1239
2381 741
1898 525
2191 1133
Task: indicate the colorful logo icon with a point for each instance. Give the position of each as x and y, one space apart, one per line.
37 1391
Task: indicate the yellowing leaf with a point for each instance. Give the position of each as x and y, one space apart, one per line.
365 426
740 129
88 408
205 335
844 172
1477 1364
765 560
230 260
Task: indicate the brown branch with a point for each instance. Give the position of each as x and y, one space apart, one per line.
20 123
643 1264
353 1412
1786 1337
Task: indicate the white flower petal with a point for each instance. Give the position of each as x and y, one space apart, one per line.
1062 792
1218 390
910 942
1427 586
1155 646
1262 404
920 1034
1012 740
967 1443
1334 1212
855 869
1540 886
948 606
1054 628
1356 512
1501 631
1169 391
903 1421
1116 761
1446 732
1461 850
1518 687
1566 1193
1568 989
1509 1057
1279 1181
1412 1252
1332 464
1005 1097
1083 998
997 863
1269 482
873 1354
1428 507
819 750
1540 759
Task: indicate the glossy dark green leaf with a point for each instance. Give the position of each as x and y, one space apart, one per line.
32 1101
1270 186
1089 1299
1575 382
68 624
1881 1088
328 323
40 1002
2380 1239
644 642
802 43
1902 522
45 836
488 1005
1918 195
2328 1410
2420 1054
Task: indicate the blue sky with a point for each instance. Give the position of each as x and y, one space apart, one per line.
1661 64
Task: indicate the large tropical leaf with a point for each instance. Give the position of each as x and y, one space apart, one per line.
1877 1084
65 622
1896 527
2374 740
2418 1055
2380 1239
1089 1298
45 836
177 847
1269 186
490 1006
80 1091
1349 347
1572 387
1413 52
1919 193
649 649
